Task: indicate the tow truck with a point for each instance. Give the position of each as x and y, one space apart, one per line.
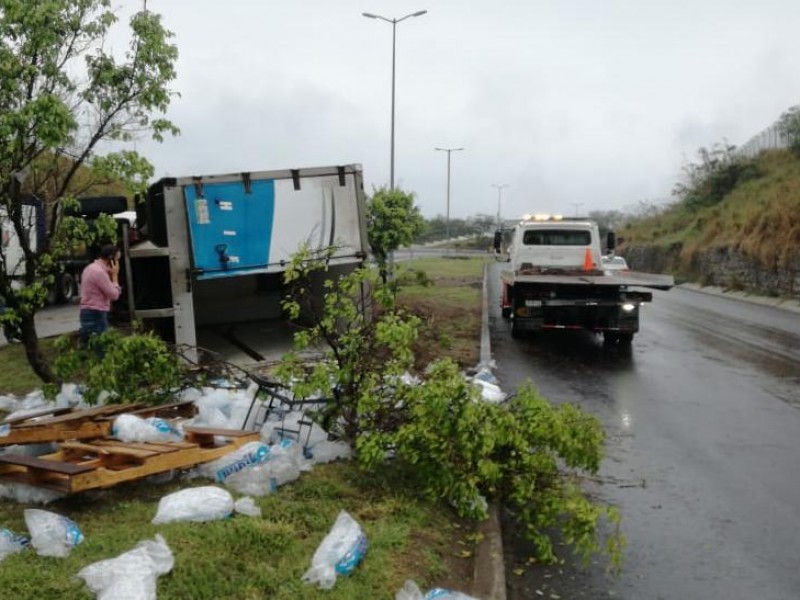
560 279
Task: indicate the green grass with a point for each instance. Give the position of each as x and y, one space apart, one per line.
759 217
450 307
16 375
244 557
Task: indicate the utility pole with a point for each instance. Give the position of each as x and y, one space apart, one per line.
499 187
448 150
394 23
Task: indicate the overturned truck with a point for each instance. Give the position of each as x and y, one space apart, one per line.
209 273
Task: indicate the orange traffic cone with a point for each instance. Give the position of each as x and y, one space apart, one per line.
588 263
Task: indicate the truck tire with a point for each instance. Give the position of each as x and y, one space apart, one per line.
66 288
625 339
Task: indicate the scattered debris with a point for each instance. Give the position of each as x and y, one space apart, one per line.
78 466
131 575
207 503
339 553
52 534
411 591
10 543
247 506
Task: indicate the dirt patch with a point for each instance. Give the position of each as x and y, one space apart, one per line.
447 330
454 547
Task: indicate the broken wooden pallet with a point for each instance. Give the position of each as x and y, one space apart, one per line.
55 425
80 466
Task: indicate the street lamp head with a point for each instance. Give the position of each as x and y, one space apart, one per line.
370 16
419 13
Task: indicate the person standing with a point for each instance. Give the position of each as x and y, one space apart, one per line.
99 288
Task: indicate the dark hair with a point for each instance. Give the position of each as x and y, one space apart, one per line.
108 251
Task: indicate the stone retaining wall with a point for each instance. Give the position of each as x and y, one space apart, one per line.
723 266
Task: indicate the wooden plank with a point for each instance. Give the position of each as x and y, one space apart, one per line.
34 415
77 431
123 450
182 459
150 446
87 413
207 436
31 462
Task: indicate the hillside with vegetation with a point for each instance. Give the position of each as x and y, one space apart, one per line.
736 224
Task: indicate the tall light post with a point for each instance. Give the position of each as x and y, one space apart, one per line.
449 151
394 23
499 187
577 206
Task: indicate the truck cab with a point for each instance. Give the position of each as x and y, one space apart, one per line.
553 244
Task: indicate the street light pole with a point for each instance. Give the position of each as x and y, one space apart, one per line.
449 151
499 187
394 23
577 206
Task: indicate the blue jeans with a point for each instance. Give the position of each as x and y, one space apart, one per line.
92 322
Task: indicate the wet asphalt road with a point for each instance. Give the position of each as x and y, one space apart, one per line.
703 453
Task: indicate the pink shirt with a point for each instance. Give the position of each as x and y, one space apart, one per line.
97 289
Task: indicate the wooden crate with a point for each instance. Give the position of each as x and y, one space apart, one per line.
79 466
60 424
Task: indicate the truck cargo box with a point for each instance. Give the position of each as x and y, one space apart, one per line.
218 245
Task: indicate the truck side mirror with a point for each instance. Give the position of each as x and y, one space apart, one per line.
611 241
498 241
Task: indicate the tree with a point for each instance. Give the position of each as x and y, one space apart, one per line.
433 429
392 221
789 126
63 94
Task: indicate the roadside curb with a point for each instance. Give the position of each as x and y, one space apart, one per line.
489 576
780 303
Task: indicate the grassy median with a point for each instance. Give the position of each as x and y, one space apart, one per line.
244 557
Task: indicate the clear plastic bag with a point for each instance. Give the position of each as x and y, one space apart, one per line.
411 591
339 553
247 506
52 534
130 428
207 503
328 451
132 575
248 456
280 464
10 543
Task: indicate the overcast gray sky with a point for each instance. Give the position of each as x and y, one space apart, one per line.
595 102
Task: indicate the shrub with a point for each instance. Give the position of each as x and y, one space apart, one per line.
138 368
449 443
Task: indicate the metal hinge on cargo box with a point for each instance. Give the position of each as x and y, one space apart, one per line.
248 183
341 176
296 179
198 187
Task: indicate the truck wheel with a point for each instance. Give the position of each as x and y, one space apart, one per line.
625 339
65 288
610 338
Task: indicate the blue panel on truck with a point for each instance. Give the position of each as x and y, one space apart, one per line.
231 228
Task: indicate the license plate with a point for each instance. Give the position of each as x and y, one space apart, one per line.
533 303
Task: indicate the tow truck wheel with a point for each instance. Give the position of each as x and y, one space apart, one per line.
625 339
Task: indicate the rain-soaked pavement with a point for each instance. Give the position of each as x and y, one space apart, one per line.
703 456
